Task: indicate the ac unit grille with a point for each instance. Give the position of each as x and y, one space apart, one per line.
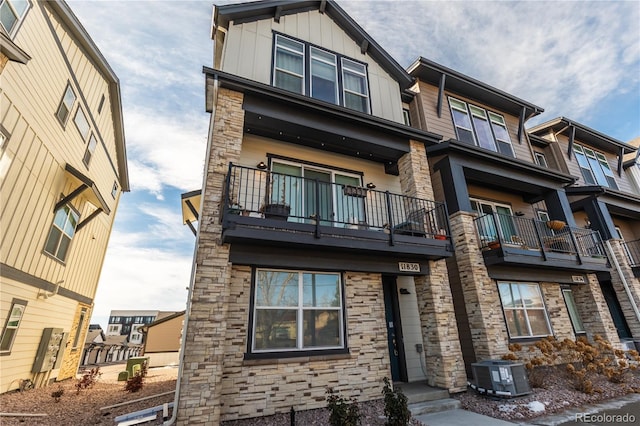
500 378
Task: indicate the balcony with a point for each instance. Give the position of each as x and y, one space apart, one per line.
261 207
506 239
632 250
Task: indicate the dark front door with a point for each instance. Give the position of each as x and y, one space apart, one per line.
616 311
394 329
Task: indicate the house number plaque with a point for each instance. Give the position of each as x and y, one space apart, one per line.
408 267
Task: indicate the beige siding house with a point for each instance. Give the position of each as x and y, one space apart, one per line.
62 171
162 340
320 250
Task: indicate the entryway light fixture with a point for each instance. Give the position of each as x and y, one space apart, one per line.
371 185
261 165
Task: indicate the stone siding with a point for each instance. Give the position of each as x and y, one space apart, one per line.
594 311
633 284
71 357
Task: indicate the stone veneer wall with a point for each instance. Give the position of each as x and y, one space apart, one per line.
632 282
206 329
444 363
481 296
594 311
561 326
71 357
253 388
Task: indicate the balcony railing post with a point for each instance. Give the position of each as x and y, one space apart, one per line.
575 245
227 189
387 196
317 213
496 224
539 238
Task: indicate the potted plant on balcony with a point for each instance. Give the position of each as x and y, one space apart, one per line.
277 210
440 235
556 225
494 243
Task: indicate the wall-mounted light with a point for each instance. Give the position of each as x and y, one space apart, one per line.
371 185
45 294
404 291
261 165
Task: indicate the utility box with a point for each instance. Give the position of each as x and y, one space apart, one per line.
136 364
500 378
50 350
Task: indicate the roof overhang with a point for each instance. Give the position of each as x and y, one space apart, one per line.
84 183
253 11
190 203
287 116
455 82
12 50
618 203
63 11
593 138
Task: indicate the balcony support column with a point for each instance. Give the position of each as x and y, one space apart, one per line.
558 206
599 217
200 392
593 310
442 349
628 295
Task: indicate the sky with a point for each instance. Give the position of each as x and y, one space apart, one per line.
576 59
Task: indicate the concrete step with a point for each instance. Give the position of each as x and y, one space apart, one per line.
421 392
428 407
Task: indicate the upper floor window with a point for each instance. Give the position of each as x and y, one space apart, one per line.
88 154
12 324
114 189
480 127
11 13
406 117
594 167
66 105
62 231
82 124
305 69
541 160
297 310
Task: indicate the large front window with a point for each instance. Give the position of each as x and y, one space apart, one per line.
594 167
297 310
477 126
62 231
302 68
524 310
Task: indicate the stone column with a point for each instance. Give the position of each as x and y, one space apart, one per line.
444 363
594 311
632 283
205 334
481 296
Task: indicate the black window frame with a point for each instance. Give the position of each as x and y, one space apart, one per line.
307 71
294 353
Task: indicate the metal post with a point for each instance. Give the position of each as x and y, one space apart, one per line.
389 217
539 238
317 214
575 245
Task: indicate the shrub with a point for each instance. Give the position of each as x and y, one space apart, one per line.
395 406
135 383
57 394
88 379
342 412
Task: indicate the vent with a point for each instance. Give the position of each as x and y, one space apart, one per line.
500 378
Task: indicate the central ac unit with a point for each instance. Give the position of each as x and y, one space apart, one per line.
500 378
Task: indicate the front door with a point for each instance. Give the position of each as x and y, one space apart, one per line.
616 310
394 329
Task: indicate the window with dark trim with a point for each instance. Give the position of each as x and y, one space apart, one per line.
540 158
3 138
114 190
76 339
524 310
297 311
82 124
594 167
66 105
572 309
328 76
91 147
11 325
12 12
62 231
101 104
406 117
480 127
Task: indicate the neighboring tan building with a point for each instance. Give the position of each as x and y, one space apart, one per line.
604 199
320 253
62 170
127 323
162 340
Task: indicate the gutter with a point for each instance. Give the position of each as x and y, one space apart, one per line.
174 413
624 281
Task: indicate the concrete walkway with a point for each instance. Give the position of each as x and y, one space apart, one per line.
460 417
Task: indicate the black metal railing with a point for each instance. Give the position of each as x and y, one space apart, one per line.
632 250
497 229
265 194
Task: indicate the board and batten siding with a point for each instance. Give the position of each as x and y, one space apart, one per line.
443 125
248 48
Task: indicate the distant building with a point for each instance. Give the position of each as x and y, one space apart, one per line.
63 167
162 340
128 323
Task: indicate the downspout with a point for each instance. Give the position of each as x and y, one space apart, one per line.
624 280
174 414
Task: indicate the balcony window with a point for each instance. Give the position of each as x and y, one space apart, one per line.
62 232
297 310
524 310
594 167
11 13
479 127
292 59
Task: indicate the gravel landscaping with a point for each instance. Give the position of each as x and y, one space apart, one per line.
84 408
